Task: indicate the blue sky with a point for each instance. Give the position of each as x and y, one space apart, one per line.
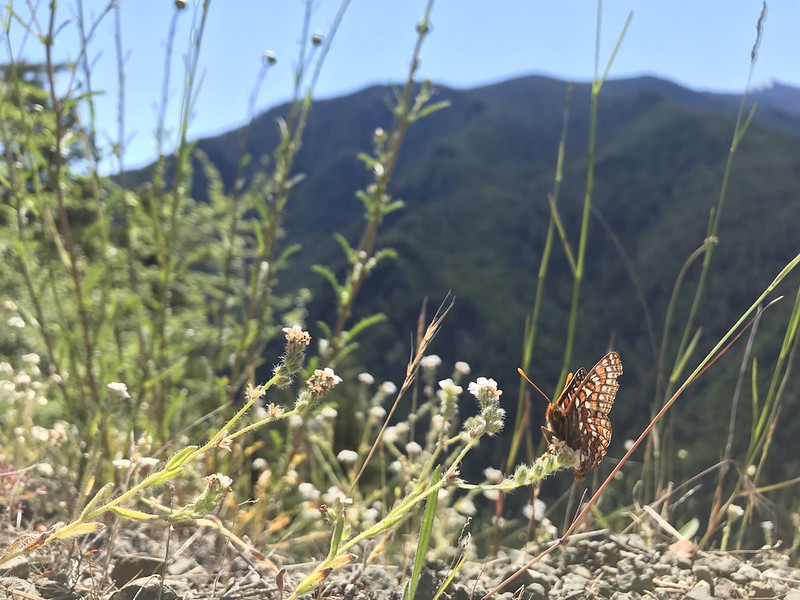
701 44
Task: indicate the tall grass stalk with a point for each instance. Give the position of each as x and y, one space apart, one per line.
521 426
718 350
711 240
580 264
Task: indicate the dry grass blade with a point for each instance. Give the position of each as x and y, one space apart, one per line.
411 373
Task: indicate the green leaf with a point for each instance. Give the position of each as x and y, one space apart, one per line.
328 275
689 530
432 108
134 515
180 457
425 530
347 249
363 324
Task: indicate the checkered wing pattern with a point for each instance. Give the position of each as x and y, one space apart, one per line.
591 404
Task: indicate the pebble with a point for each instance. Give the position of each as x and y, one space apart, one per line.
24 589
145 588
16 567
702 591
724 564
745 573
703 573
762 589
535 591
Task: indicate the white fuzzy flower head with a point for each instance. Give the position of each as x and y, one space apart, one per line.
388 388
734 512
322 381
413 448
448 387
30 359
296 336
462 368
493 475
16 322
485 389
329 413
308 491
466 507
377 413
118 390
347 457
492 495
366 378
430 362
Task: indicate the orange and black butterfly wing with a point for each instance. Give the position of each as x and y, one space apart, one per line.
559 417
593 402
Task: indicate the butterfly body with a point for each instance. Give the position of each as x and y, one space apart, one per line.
579 417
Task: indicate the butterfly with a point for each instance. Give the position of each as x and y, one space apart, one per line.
579 417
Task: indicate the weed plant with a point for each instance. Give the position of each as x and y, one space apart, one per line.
138 319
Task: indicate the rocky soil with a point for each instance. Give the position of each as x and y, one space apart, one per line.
617 567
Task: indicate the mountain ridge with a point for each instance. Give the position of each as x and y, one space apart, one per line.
475 178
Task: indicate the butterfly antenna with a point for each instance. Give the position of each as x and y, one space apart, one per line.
536 387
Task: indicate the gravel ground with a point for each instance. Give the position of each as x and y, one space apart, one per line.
618 567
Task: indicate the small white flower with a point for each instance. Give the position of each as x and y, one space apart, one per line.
121 463
734 512
491 494
218 480
30 359
539 509
118 390
493 475
388 388
377 413
448 387
9 305
296 335
465 507
485 386
498 521
329 413
366 378
260 464
462 368
751 470
437 422
347 457
683 454
395 466
628 444
16 322
45 470
402 429
413 448
40 433
308 491
430 362
390 435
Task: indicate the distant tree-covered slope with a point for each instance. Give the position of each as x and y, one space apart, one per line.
475 178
